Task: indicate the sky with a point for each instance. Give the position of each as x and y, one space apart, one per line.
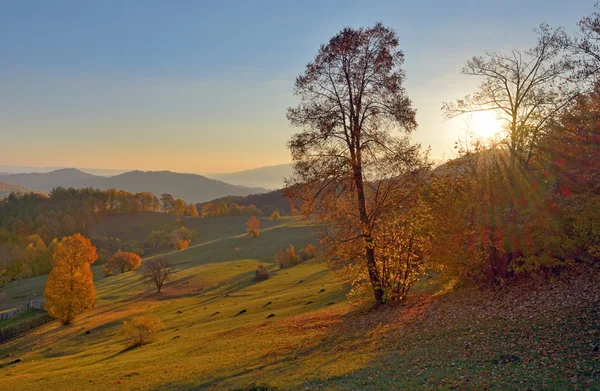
203 86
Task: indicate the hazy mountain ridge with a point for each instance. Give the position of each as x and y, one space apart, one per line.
270 177
189 187
7 188
12 169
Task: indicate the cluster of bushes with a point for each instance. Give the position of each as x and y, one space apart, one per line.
288 257
178 239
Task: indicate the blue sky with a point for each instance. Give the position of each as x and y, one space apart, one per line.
196 86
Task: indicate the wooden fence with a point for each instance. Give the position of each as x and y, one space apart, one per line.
37 304
23 327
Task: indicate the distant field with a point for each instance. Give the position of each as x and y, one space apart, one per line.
139 225
316 340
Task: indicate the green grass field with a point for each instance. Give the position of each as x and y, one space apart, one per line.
298 332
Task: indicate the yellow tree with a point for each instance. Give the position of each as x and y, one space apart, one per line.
179 207
253 225
191 210
70 287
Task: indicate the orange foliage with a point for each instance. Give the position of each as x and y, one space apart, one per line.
253 225
70 287
123 260
182 244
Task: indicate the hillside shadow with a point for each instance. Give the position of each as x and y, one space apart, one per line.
124 350
346 334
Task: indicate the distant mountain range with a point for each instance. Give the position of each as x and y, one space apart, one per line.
270 177
9 169
189 187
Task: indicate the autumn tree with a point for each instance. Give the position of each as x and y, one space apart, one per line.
526 90
253 226
223 209
191 211
157 272
287 258
141 330
70 286
355 115
179 207
274 216
125 261
168 203
181 238
158 239
207 210
147 201
573 159
584 47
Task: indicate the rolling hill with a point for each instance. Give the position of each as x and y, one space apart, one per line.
274 198
6 189
189 187
270 177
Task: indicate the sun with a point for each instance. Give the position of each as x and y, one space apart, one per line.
485 124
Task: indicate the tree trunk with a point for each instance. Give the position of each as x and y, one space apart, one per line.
369 250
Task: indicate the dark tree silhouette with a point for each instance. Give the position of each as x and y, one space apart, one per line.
352 99
525 89
585 46
158 271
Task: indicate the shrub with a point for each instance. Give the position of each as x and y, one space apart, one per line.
253 225
141 330
308 253
182 244
261 274
107 269
287 258
157 239
275 216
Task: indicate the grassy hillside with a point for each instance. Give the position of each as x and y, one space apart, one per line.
316 340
